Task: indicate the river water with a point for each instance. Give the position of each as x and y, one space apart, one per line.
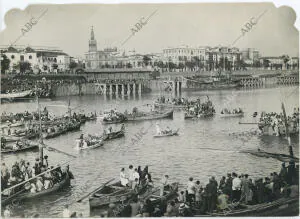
204 148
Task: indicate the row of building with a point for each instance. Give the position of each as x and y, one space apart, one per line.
53 60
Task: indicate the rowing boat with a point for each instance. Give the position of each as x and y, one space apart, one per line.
172 133
113 135
27 195
280 157
150 116
26 147
281 207
16 95
91 144
120 119
113 193
229 115
169 192
68 128
169 105
201 115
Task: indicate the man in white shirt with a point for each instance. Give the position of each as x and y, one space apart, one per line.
236 188
164 182
191 189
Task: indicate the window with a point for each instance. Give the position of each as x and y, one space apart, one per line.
22 58
30 57
12 56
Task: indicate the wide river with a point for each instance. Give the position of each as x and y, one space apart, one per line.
204 148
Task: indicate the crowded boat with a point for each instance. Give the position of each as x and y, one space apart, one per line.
273 123
200 110
165 132
234 194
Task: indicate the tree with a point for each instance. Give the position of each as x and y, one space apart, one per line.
146 60
72 65
266 63
128 65
24 66
181 66
4 63
285 59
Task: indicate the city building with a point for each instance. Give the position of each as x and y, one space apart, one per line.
203 58
35 59
279 62
250 55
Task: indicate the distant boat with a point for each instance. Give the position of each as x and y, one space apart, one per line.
227 115
11 96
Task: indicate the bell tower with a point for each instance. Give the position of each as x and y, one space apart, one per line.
92 42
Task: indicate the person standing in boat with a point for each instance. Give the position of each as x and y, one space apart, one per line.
236 188
158 131
164 183
191 190
123 179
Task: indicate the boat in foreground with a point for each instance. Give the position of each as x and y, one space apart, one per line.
114 193
281 207
24 194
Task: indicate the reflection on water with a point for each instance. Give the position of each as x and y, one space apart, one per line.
203 148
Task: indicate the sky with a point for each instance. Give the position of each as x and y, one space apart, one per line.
171 25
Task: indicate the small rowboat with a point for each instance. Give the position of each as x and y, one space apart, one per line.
27 195
202 115
172 133
170 191
27 147
91 145
113 193
10 138
230 115
114 121
10 96
113 135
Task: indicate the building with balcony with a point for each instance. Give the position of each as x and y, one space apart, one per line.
35 59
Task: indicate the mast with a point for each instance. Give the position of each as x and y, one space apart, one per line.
40 128
287 131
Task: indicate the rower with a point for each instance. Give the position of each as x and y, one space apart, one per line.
168 130
158 131
164 183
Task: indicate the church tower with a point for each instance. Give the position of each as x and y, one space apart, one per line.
92 42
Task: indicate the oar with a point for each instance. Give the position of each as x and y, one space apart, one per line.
94 191
248 123
59 151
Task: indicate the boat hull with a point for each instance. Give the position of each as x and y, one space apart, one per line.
175 133
232 115
281 207
165 115
28 196
30 148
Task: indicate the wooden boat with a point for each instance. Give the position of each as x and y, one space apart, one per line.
68 128
281 207
229 115
113 135
150 116
169 192
202 115
12 124
10 138
27 147
280 157
11 96
172 133
121 119
90 144
169 105
113 193
153 194
26 195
